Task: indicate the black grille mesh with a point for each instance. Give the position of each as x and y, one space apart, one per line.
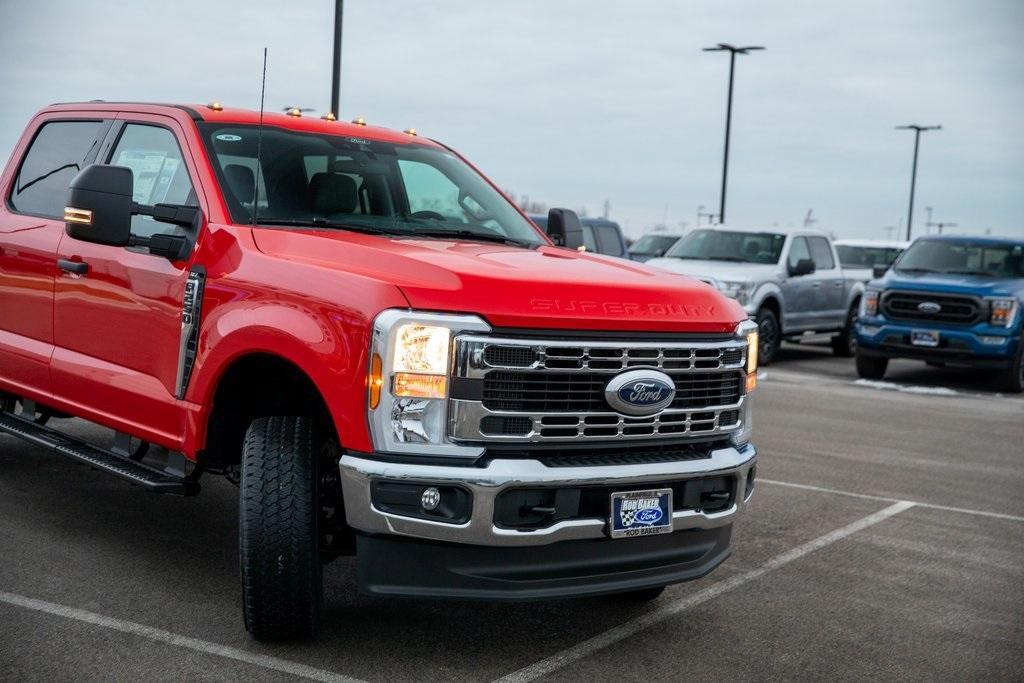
954 310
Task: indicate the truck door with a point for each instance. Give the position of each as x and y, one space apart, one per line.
798 289
31 225
118 327
829 295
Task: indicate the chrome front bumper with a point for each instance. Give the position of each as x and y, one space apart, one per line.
486 483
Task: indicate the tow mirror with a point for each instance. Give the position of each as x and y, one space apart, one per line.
564 228
99 207
879 271
804 266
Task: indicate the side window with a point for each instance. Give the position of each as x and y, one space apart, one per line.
158 171
608 241
821 253
798 251
55 156
588 239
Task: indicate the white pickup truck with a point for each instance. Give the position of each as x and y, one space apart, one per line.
790 281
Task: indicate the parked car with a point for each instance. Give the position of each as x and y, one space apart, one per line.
600 236
948 301
388 358
789 281
860 257
652 245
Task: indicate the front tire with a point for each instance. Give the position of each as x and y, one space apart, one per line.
844 344
1013 381
871 368
769 336
282 582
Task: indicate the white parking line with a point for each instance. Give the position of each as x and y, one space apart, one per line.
852 494
630 628
162 636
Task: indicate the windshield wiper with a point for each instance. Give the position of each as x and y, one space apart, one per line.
919 270
473 235
319 222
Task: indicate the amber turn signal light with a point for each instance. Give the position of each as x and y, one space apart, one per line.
409 385
72 215
376 381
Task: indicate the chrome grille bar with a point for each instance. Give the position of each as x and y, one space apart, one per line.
511 373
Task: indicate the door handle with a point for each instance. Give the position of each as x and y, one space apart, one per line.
815 285
78 267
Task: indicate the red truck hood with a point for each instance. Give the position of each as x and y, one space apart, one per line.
543 288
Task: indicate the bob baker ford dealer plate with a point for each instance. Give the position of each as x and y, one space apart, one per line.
641 513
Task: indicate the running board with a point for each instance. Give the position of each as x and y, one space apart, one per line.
97 458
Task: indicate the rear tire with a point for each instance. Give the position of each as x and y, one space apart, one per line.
1013 381
769 336
282 583
871 368
844 344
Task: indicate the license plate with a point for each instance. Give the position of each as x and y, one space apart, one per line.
924 337
641 513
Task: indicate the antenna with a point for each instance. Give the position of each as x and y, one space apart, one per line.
259 146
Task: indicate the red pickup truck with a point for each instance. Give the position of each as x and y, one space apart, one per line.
390 360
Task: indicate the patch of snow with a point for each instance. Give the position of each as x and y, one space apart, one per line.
906 388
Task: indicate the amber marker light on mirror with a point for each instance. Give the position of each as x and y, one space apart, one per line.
376 380
72 215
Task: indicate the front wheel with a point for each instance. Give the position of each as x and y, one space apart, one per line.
844 344
282 583
1013 381
871 368
769 335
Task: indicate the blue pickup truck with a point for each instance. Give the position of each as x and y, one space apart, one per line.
947 301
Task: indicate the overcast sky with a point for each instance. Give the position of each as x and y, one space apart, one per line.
576 102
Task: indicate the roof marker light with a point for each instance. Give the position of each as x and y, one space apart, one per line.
215 106
294 111
359 121
410 131
329 116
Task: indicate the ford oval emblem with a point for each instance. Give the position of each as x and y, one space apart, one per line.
640 392
929 307
648 516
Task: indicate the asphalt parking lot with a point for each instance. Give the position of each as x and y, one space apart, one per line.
886 540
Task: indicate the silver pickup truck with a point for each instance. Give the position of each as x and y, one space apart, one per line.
789 281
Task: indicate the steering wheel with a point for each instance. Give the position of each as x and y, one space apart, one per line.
428 215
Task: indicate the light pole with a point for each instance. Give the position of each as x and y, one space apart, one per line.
732 50
339 9
913 173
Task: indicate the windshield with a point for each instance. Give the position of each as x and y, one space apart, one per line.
963 258
653 245
335 181
719 245
866 257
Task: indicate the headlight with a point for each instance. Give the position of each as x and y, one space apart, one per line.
869 304
420 361
407 386
1002 311
747 330
736 290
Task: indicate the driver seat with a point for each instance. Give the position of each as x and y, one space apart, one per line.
332 193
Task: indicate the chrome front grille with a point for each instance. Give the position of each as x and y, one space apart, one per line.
519 390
